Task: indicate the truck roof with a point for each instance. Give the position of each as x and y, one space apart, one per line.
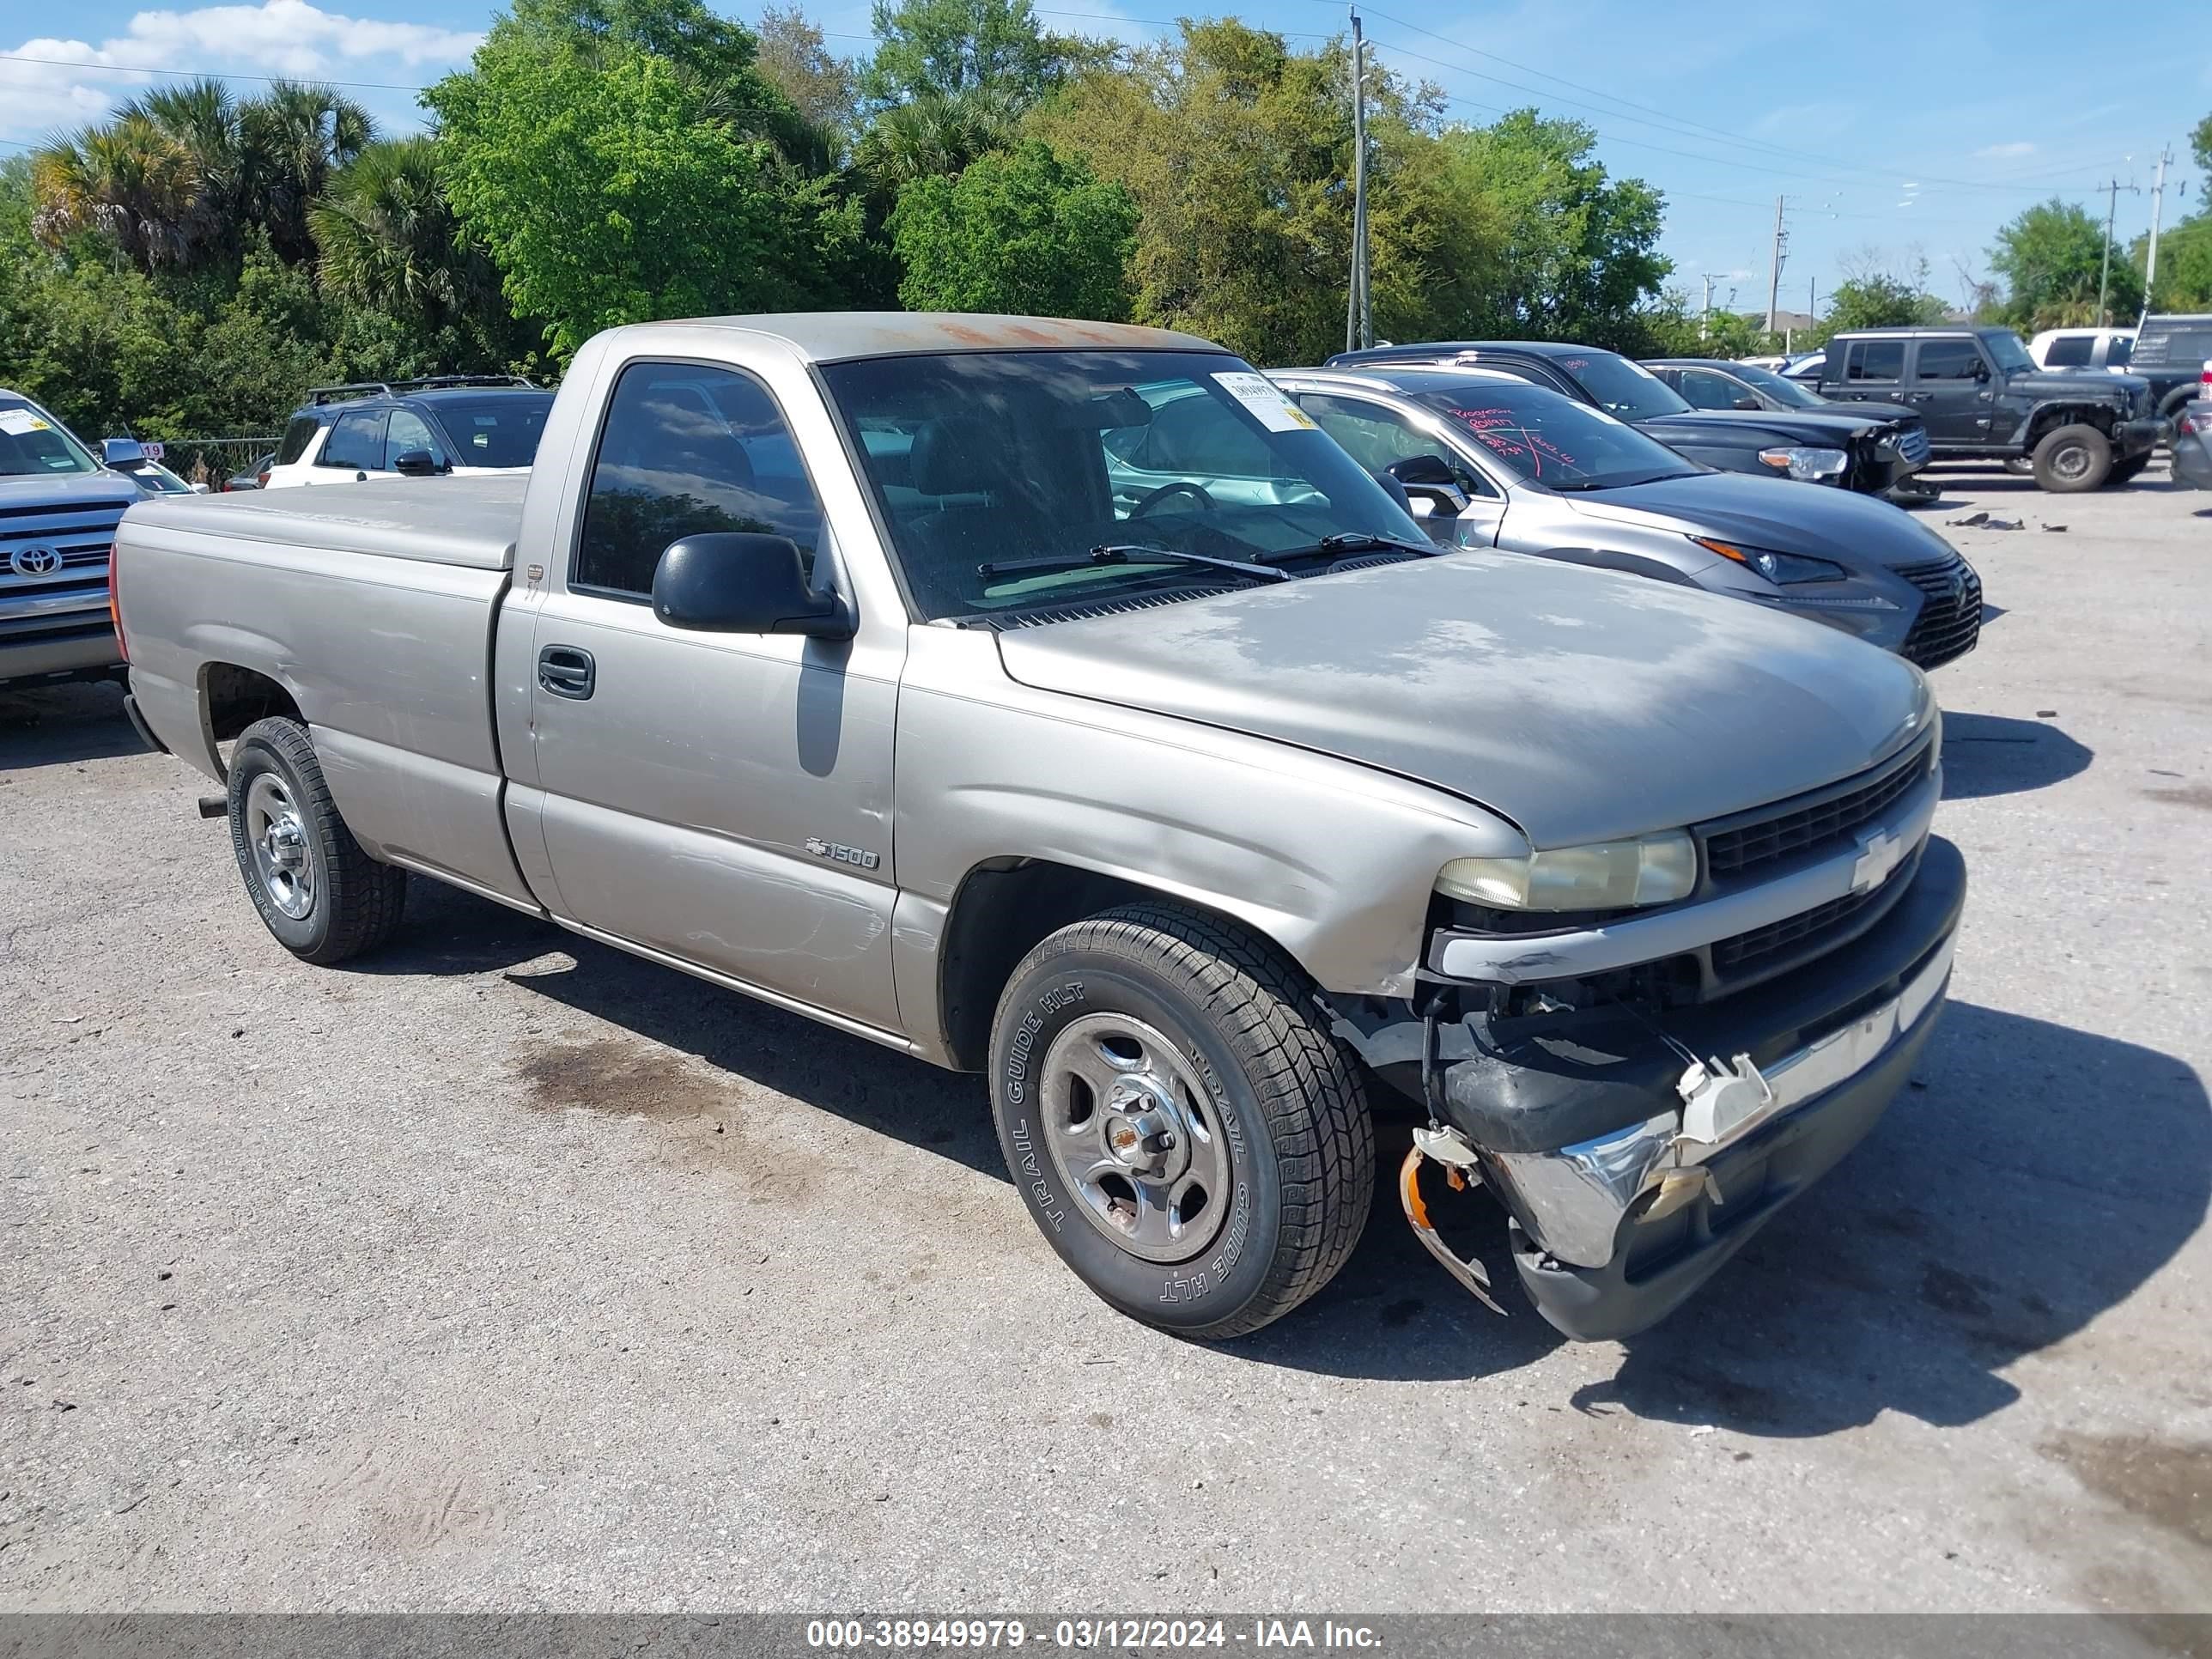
825 337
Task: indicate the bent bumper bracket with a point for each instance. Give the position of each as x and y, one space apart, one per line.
1470 1272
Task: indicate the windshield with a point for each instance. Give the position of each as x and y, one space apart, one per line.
1551 440
498 431
1621 387
33 443
1777 387
2005 350
999 457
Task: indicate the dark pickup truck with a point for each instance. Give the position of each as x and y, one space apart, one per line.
1983 398
1830 447
2171 352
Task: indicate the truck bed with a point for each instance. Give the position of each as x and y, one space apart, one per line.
241 604
463 521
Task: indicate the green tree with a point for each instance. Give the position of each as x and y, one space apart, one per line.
611 185
1580 256
2200 144
388 240
1026 232
936 133
822 86
1238 154
943 48
1872 298
2050 257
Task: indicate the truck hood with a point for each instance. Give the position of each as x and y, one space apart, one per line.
81 491
1852 529
1748 426
1580 704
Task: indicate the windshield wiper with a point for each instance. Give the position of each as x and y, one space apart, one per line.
1351 541
1126 553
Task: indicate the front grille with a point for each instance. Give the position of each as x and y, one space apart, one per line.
1788 830
1810 933
1950 622
1912 446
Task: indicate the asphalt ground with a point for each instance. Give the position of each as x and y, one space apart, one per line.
505 1271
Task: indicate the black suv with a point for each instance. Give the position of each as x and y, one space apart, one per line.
1983 398
2171 352
449 423
1833 446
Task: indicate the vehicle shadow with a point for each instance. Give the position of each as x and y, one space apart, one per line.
1986 755
61 724
452 932
2030 1177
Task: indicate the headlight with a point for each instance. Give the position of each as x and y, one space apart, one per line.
1606 875
1811 465
1775 567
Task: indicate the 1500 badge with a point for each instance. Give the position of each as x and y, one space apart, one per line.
859 857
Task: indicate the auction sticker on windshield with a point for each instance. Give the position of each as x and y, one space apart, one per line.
1267 402
17 421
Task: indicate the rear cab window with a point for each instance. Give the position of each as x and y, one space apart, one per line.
297 437
688 449
2068 351
1876 360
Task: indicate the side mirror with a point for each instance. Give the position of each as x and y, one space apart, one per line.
416 464
1424 469
1745 400
735 582
122 451
1981 369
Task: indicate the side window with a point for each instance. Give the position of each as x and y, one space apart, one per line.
2119 350
357 442
297 437
1375 437
1703 389
1946 360
1875 359
687 450
407 430
2068 351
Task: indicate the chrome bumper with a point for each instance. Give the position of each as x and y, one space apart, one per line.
1575 1200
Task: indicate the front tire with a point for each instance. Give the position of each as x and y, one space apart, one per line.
323 897
1186 1134
2071 460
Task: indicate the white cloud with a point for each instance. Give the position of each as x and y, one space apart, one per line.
2001 152
78 80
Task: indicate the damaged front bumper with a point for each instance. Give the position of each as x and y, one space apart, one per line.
1637 1152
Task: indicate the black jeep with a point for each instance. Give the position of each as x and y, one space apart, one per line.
1983 398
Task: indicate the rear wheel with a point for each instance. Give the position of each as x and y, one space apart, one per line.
322 896
1187 1136
2073 459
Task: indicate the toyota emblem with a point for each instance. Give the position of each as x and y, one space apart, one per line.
34 561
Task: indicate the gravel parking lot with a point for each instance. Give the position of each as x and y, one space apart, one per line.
506 1271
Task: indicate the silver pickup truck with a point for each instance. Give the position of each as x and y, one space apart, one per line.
1053 699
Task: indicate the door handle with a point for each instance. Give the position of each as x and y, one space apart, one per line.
566 671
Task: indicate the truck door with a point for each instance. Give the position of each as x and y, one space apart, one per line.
723 798
1952 388
1872 370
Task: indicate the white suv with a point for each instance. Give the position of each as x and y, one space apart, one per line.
412 428
2083 348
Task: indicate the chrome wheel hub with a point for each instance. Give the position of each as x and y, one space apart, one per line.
279 842
1132 1133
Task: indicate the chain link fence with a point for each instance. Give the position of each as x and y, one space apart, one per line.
214 461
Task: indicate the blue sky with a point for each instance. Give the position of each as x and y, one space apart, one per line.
1896 147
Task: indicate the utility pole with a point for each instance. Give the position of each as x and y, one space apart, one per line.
1774 276
2104 278
1358 320
1705 317
2157 200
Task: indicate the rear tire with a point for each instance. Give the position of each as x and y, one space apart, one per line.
323 897
2021 466
1219 1170
2072 460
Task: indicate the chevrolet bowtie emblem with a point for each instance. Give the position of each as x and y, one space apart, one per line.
1879 853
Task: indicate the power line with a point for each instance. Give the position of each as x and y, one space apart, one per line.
205 74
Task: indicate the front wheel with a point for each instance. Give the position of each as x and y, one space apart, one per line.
322 896
2073 460
1189 1138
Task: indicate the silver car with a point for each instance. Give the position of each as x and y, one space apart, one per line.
1488 460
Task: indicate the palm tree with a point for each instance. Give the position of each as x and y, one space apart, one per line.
935 132
296 135
388 239
130 180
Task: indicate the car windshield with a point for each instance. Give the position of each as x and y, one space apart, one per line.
33 443
1621 387
502 430
1778 388
2005 350
1005 459
1554 440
